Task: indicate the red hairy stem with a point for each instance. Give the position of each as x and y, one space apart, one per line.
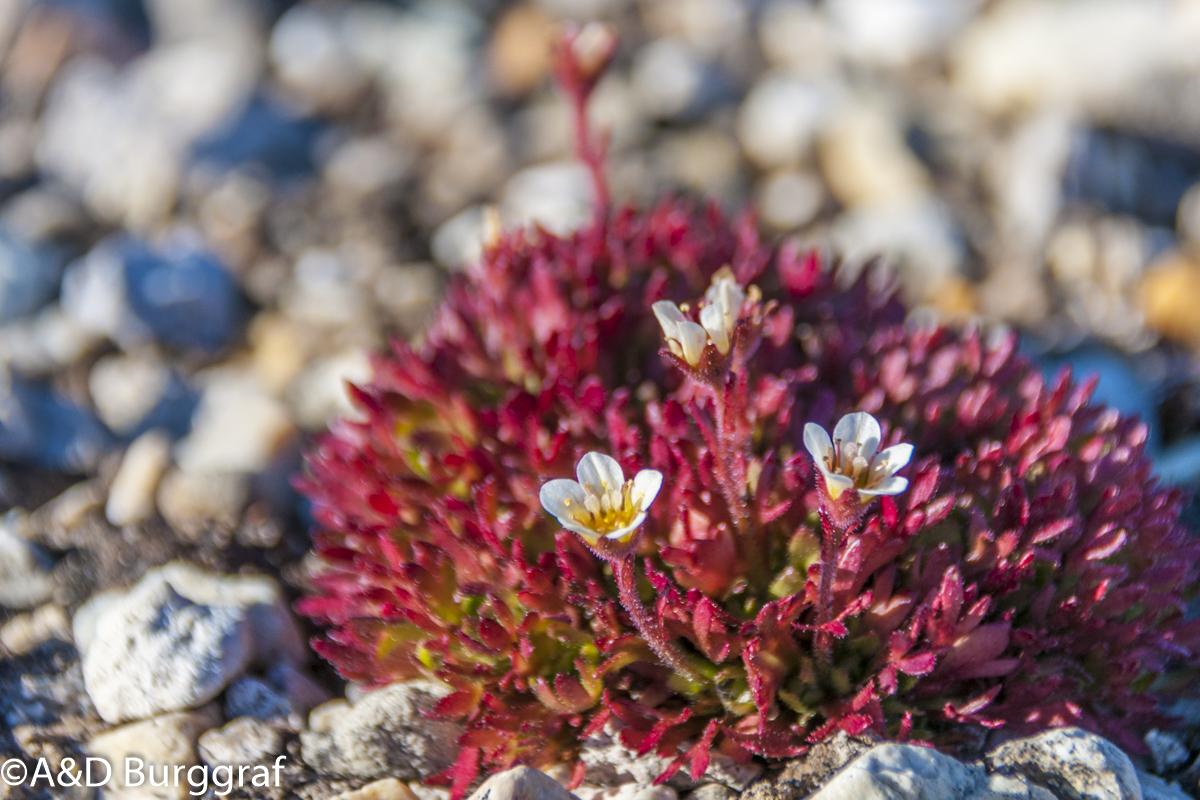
733 483
831 544
651 630
583 56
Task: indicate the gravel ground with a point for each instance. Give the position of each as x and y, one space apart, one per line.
213 211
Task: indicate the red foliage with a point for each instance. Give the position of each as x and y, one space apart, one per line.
1032 575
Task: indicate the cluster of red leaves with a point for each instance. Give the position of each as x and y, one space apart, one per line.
1032 575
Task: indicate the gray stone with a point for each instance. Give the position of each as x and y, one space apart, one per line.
610 763
179 637
712 791
162 652
25 581
630 791
385 789
244 741
1155 788
200 503
521 783
905 772
384 733
1013 787
1074 764
284 693
804 775
1166 751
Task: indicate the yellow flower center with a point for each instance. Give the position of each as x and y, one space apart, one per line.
613 508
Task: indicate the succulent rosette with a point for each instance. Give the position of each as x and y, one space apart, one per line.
973 547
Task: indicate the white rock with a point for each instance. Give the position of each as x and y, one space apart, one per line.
24 632
384 733
796 35
894 32
904 772
93 297
199 503
458 242
321 392
866 160
1025 177
313 59
24 579
161 652
919 238
245 740
780 117
361 167
789 199
165 742
666 76
179 637
627 791
124 388
1078 56
1012 787
521 783
237 427
1071 762
556 196
610 763
385 789
131 497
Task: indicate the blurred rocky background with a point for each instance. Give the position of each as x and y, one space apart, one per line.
213 211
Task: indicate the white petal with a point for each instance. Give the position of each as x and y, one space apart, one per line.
860 428
887 486
561 497
836 484
892 459
669 317
712 318
693 337
645 487
587 533
624 531
818 443
599 473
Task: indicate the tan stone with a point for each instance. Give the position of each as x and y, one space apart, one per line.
1170 294
386 789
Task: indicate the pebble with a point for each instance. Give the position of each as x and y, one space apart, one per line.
1168 294
39 426
182 294
804 775
131 497
666 78
320 394
384 733
629 791
790 199
243 741
903 772
610 763
865 159
166 741
283 693
1155 788
1071 762
25 632
458 242
125 388
197 504
1167 752
314 61
780 117
521 783
520 54
28 277
179 637
556 196
237 427
25 580
385 789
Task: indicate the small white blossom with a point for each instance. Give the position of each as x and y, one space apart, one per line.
722 307
686 339
851 461
601 503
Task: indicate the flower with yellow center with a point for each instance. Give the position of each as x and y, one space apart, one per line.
852 459
718 316
601 504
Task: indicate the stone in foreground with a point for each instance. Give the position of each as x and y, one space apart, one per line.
1074 764
521 783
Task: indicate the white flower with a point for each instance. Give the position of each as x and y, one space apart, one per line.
850 460
722 307
685 338
602 503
